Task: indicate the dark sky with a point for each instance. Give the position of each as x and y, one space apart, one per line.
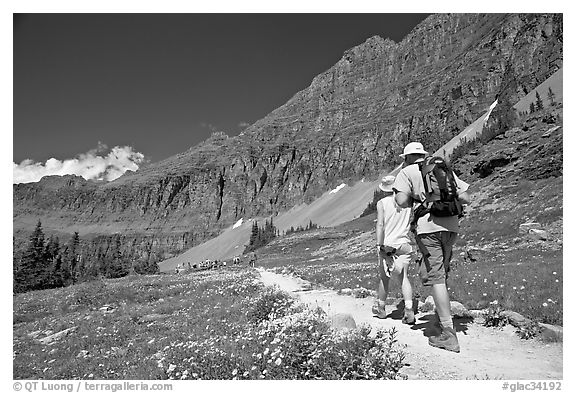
163 82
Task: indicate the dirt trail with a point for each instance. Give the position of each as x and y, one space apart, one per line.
484 352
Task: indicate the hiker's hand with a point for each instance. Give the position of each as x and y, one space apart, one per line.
388 265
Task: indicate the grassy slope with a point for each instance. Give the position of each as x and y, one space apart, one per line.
218 324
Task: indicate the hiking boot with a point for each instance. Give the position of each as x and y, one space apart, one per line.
379 309
408 318
446 340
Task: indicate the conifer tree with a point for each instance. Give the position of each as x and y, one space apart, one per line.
532 108
32 271
551 97
539 105
71 258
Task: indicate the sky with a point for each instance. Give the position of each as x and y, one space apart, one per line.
132 88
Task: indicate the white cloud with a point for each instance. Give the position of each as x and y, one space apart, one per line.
90 165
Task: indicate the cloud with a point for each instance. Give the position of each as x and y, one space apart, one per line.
93 165
211 127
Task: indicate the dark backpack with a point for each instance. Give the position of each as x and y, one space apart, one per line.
441 190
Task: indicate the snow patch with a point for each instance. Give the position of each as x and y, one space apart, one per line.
341 186
238 223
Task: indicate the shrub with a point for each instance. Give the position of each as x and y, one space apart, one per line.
529 330
493 317
271 304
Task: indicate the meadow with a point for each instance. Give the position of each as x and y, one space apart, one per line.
220 324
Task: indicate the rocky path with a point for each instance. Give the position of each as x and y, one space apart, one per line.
486 353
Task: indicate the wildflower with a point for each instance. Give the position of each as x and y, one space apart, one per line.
484 294
235 371
522 287
545 304
554 273
278 361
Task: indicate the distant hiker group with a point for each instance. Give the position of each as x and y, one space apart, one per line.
425 198
213 264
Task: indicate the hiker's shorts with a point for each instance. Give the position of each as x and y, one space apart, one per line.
436 249
405 254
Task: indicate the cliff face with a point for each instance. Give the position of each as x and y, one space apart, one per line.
351 122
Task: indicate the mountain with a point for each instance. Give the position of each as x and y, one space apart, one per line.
349 124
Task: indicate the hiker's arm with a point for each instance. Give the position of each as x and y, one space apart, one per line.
403 199
379 225
464 197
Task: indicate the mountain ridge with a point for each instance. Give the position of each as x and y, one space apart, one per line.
349 124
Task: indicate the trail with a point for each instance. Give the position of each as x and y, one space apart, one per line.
485 353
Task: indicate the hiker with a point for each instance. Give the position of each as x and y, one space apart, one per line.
435 237
252 259
395 251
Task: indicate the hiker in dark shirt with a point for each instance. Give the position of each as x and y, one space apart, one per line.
252 259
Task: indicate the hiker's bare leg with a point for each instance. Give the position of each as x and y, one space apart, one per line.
406 288
383 284
442 302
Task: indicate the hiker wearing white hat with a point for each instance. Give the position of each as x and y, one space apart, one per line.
395 251
435 237
414 148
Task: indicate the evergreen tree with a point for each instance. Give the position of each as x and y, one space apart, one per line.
551 97
532 108
539 105
54 274
70 260
32 271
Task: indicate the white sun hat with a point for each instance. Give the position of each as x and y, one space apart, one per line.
413 148
386 183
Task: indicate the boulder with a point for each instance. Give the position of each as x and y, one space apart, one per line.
527 226
51 339
515 319
346 291
428 305
538 234
550 131
458 310
551 333
343 321
153 317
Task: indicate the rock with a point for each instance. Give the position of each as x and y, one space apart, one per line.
34 334
51 339
428 305
458 310
106 308
538 234
525 228
343 321
346 291
551 333
361 292
82 354
515 318
153 317
548 133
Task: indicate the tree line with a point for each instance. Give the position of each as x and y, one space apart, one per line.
46 263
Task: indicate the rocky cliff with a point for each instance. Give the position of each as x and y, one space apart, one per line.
350 123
